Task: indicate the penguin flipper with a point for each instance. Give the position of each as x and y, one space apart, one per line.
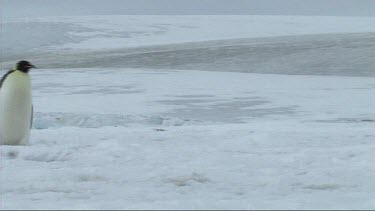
4 77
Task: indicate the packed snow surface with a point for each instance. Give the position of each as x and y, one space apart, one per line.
145 131
122 138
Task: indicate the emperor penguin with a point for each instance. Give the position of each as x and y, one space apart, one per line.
16 110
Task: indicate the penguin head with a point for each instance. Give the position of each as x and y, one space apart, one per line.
24 66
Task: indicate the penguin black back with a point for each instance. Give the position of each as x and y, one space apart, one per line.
4 77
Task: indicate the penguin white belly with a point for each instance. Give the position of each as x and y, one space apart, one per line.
15 109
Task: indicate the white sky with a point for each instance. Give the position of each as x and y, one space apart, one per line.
16 8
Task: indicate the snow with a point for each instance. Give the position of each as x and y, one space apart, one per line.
110 137
142 139
113 32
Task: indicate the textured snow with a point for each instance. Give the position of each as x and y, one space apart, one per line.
113 32
142 139
154 137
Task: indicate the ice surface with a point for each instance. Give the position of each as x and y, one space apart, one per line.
153 113
193 140
74 33
258 44
333 54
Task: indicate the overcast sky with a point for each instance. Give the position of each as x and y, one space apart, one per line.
15 8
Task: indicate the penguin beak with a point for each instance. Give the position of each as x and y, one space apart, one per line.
31 66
